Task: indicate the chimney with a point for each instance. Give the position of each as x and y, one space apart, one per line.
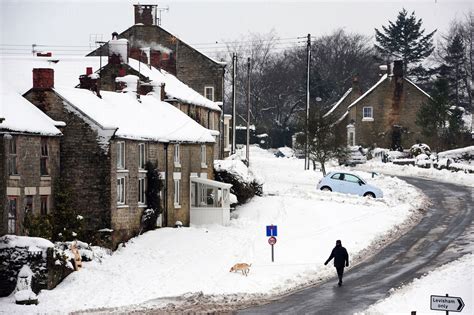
43 78
118 50
88 70
355 85
145 14
398 68
90 81
162 92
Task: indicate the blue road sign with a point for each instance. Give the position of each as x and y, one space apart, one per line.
272 230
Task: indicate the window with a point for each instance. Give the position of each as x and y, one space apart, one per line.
141 190
209 92
121 155
44 205
351 178
367 113
351 138
12 165
176 155
28 204
12 206
44 157
121 190
203 156
177 187
142 156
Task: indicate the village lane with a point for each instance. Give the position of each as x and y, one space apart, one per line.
443 235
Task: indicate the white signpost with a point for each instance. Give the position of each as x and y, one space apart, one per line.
446 303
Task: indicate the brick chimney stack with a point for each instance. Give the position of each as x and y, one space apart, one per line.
355 85
145 14
43 78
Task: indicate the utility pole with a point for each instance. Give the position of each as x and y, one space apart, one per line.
306 146
234 72
222 117
248 111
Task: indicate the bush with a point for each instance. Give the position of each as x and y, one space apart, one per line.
154 186
38 225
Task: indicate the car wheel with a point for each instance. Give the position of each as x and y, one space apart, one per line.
369 195
326 188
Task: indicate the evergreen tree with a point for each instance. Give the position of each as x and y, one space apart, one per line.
153 189
453 68
405 39
66 221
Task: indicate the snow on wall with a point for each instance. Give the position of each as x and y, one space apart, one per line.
8 241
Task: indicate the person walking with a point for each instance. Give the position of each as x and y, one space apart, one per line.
341 259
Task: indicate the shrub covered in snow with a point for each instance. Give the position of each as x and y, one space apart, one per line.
285 152
245 183
420 148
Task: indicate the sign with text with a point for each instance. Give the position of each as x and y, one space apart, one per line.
272 230
446 303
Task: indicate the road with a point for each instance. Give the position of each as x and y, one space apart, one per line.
443 235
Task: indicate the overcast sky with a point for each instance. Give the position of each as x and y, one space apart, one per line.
71 23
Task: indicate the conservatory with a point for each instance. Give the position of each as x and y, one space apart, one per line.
210 202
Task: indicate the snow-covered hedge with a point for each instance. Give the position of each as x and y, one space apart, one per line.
245 183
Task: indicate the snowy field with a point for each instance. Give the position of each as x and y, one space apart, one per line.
168 262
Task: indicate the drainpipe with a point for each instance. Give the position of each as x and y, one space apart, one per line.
165 210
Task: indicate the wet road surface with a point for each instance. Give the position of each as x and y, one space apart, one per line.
444 234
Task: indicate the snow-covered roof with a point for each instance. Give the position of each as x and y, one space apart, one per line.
147 119
417 87
67 69
338 102
19 115
173 87
18 70
383 78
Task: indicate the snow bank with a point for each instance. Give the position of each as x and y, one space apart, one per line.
454 278
8 241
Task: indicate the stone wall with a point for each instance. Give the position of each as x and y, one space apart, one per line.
28 181
85 166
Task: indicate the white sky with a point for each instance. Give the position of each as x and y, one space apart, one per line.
70 22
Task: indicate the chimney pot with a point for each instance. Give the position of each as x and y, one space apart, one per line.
43 78
88 70
398 68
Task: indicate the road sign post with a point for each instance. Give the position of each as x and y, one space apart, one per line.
446 303
272 241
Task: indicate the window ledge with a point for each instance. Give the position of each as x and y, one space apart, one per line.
122 206
367 119
15 177
176 206
178 165
141 205
45 177
142 170
122 170
203 165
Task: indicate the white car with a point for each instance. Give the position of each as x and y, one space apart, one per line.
348 183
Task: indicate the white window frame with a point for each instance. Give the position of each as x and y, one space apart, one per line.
177 155
141 156
121 155
203 156
212 92
121 191
142 191
370 111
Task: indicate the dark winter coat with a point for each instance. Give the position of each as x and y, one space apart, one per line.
340 255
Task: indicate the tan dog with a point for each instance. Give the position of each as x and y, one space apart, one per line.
243 267
77 257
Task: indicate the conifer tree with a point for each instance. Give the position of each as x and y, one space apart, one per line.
453 68
405 39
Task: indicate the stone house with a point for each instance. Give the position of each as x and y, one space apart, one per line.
107 140
29 160
153 45
384 116
204 111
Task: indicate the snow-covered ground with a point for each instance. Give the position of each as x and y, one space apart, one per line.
454 278
170 262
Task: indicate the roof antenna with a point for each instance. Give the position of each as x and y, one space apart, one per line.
159 14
